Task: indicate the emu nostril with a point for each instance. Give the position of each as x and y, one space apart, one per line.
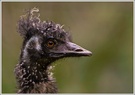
78 50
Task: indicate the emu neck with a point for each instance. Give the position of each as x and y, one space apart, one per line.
35 77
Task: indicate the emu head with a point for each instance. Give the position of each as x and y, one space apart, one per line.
45 40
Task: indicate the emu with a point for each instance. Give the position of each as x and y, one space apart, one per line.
43 43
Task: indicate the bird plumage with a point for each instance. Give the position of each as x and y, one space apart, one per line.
44 42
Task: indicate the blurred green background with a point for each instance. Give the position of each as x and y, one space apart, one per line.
106 29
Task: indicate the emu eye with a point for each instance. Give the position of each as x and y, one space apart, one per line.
50 44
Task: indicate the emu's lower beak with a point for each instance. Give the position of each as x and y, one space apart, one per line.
75 50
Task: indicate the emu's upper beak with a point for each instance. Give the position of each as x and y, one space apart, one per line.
75 50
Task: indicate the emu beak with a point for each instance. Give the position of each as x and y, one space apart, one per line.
70 50
75 50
